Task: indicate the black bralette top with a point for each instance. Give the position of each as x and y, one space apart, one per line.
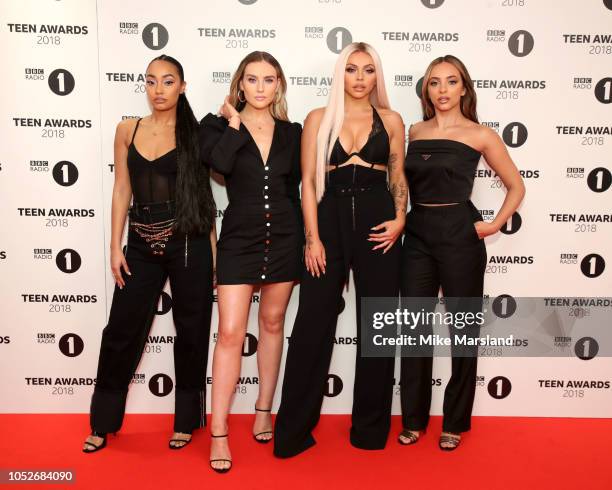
440 171
375 151
151 180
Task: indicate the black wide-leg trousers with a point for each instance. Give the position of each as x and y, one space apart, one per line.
131 316
441 249
345 217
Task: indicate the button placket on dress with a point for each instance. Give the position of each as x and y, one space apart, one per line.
267 216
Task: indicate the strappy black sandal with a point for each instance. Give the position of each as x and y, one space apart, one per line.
92 448
454 440
410 435
221 470
185 442
255 436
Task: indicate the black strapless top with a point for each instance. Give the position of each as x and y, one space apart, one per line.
151 180
440 171
375 151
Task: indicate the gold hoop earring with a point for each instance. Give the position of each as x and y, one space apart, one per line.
239 99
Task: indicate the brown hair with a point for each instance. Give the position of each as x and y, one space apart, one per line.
468 101
278 108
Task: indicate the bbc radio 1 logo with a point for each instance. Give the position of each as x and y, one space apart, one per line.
402 80
592 265
333 386
598 179
164 304
161 385
65 173
512 224
338 38
68 261
521 43
249 346
224 77
586 348
499 387
504 306
60 81
603 90
432 4
71 345
515 134
155 36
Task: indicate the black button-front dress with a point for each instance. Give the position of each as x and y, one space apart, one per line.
262 234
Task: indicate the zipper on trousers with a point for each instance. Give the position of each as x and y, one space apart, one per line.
353 196
186 249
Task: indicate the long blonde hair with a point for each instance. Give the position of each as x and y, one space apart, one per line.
333 117
278 108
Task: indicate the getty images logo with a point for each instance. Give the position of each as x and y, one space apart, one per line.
338 39
61 82
155 36
520 43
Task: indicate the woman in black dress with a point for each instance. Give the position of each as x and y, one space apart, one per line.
258 151
444 245
171 235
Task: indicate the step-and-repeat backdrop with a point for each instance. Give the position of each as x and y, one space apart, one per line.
74 68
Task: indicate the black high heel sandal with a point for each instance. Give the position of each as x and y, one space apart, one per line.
410 435
93 446
262 441
220 470
184 441
453 439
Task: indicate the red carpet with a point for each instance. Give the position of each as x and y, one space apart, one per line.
499 453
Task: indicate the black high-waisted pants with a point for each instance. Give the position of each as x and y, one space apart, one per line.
355 200
131 316
441 249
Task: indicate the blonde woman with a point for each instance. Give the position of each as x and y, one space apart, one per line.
258 151
354 205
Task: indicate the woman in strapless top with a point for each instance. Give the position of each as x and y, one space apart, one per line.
443 246
352 217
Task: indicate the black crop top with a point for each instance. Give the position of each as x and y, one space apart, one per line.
151 180
375 151
440 171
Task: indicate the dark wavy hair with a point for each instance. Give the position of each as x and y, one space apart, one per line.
468 101
195 206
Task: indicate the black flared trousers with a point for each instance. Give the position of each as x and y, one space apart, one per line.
131 316
356 200
441 249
